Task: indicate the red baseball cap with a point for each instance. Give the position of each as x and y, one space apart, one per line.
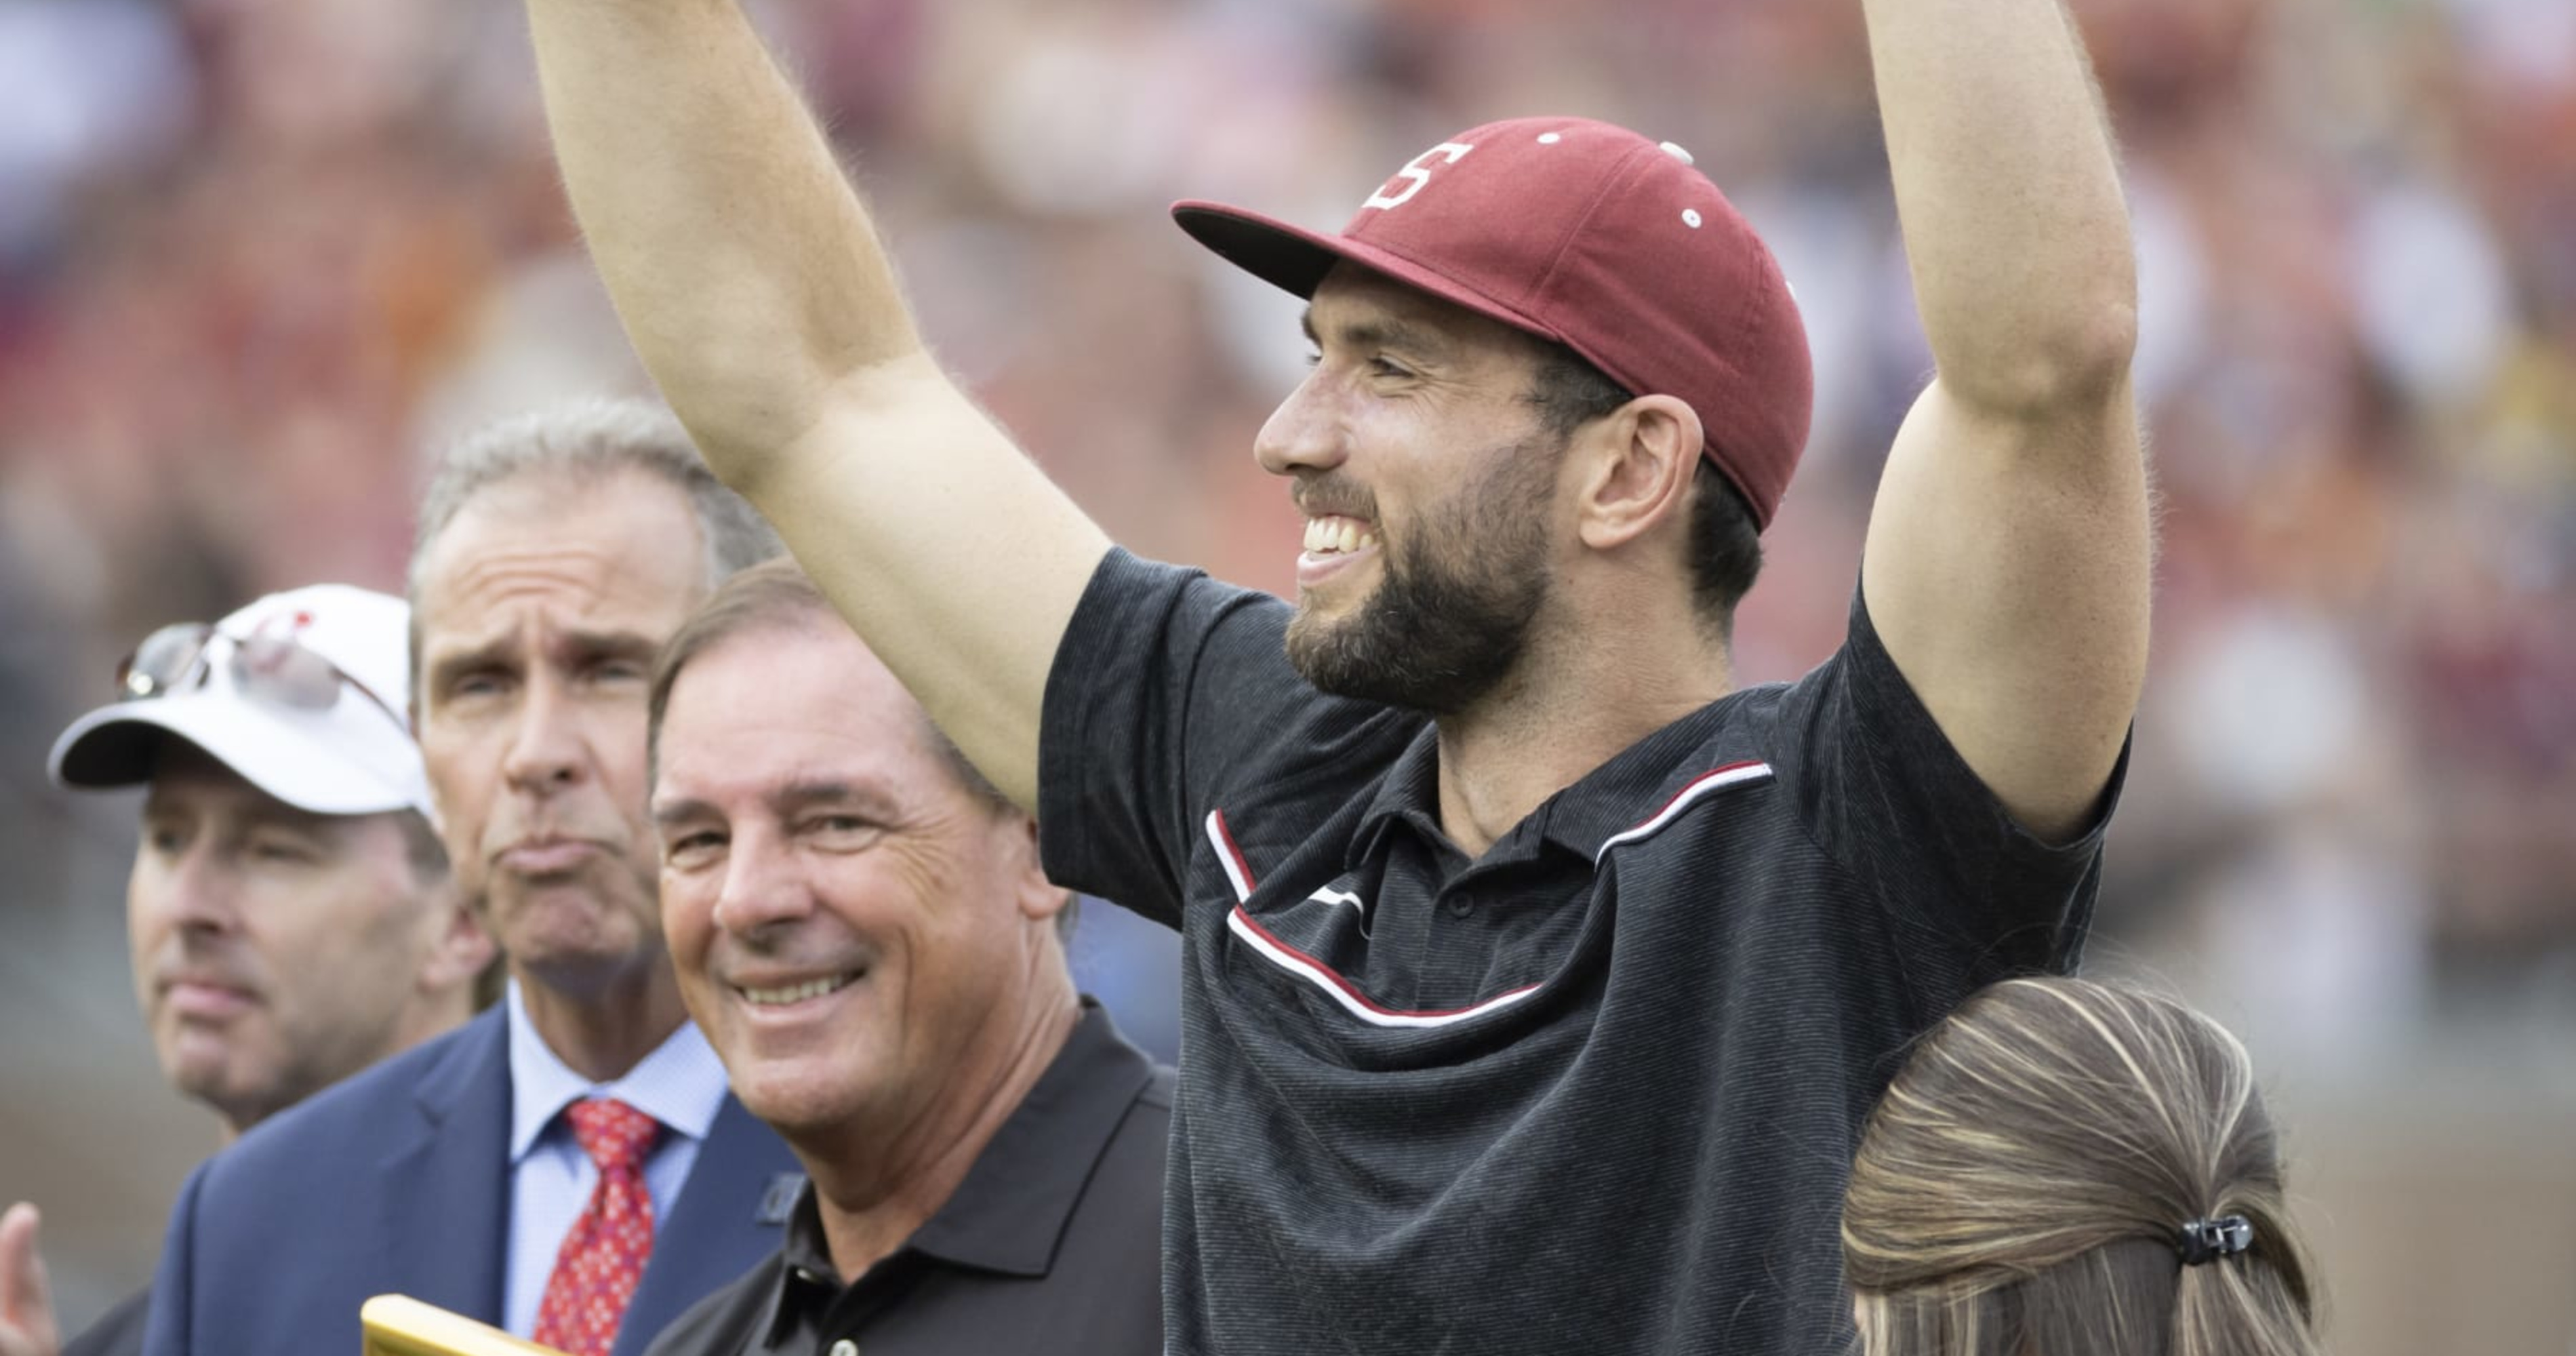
1594 237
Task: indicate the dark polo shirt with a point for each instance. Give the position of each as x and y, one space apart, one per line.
1596 1090
1050 1244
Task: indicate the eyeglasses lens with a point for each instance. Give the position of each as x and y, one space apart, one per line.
271 667
165 660
277 668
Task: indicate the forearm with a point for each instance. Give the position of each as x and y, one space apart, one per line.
2009 195
743 266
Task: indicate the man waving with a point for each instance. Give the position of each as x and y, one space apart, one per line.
1536 977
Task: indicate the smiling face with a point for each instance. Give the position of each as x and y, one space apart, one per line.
541 606
1429 484
275 951
862 940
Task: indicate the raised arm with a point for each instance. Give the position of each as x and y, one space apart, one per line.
754 287
2009 551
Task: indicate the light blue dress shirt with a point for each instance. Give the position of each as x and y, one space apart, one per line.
681 1084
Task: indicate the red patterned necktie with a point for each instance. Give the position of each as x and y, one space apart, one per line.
603 1257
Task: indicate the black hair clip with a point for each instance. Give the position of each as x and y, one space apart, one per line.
2205 1239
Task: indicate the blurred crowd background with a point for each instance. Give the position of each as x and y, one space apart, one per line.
259 258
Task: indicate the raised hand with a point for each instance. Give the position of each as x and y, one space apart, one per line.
26 1298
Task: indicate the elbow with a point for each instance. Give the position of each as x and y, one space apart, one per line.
744 385
2072 362
739 451
747 469
743 422
2095 351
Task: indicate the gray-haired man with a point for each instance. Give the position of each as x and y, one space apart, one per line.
861 926
569 1166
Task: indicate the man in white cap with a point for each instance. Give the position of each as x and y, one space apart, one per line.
569 1165
291 914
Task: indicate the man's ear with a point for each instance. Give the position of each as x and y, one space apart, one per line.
1636 465
462 948
1039 899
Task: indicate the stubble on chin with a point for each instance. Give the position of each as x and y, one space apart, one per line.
1430 639
1457 595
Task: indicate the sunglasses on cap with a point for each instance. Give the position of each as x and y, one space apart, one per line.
266 665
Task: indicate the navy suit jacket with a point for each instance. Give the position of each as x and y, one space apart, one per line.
397 1181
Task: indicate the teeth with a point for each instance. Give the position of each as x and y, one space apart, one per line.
1336 535
797 993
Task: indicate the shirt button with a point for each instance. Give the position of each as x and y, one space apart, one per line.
1460 904
845 1347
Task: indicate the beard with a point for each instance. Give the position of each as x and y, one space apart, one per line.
1452 617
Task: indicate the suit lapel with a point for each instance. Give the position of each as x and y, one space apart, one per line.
717 1230
444 1222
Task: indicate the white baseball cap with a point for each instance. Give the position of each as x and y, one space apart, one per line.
303 693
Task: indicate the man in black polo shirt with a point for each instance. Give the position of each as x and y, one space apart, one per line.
861 929
1536 980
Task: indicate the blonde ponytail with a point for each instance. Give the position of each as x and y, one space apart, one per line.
2026 1181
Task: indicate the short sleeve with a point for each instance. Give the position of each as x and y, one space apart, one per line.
1884 793
1167 689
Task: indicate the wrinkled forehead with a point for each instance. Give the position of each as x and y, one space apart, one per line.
798 671
539 627
519 569
777 709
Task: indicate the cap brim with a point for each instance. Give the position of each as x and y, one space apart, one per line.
108 748
117 745
1295 260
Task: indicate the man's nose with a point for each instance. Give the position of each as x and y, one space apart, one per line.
1305 433
547 750
201 892
763 885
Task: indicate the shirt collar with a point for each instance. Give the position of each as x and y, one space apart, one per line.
1619 795
804 1271
1410 792
1638 784
1012 1209
680 1084
1010 1212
